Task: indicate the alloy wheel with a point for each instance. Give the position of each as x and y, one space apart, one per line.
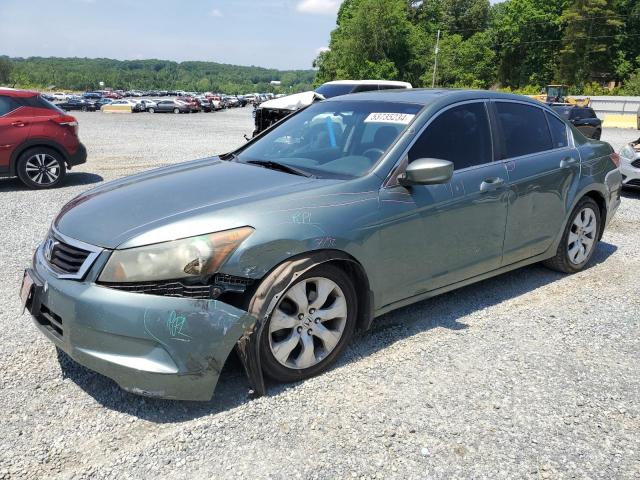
582 236
42 169
307 323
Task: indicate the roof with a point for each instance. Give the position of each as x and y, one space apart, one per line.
14 92
370 82
426 96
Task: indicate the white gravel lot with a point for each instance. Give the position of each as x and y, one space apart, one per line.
531 374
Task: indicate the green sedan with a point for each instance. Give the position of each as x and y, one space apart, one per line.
289 246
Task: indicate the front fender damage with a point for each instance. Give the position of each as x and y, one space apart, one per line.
264 301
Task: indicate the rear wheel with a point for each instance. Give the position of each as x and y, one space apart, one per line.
41 167
597 134
151 110
579 240
310 325
176 110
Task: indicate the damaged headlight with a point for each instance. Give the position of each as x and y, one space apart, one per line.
628 152
190 257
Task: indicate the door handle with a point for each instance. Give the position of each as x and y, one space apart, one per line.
491 184
568 162
18 123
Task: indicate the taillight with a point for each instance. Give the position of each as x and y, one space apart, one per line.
615 158
67 121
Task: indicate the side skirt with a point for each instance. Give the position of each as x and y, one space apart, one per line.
463 283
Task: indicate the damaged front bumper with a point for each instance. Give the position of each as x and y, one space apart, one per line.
150 345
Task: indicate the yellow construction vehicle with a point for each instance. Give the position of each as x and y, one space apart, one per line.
558 94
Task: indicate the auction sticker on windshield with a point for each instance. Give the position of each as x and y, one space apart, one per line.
400 118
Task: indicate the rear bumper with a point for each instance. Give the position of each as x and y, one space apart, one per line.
150 345
79 157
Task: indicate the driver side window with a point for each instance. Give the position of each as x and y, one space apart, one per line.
461 135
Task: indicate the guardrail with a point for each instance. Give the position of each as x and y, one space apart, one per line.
616 112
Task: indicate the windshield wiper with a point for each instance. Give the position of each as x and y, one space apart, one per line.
280 166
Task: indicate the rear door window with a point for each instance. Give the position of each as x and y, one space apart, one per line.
7 104
558 131
461 135
524 129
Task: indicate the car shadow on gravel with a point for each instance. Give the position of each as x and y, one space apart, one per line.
73 179
444 311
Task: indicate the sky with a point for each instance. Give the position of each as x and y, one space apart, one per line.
283 34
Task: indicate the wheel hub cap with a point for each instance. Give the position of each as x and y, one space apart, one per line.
307 323
42 169
582 236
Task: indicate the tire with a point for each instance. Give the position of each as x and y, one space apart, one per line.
567 262
84 109
41 167
299 338
151 110
176 110
597 134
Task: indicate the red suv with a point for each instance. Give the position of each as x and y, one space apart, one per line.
38 141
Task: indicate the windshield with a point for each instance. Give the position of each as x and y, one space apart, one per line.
334 90
564 112
341 139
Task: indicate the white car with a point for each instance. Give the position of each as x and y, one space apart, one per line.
630 164
60 97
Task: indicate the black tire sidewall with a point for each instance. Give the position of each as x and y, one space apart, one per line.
21 167
276 371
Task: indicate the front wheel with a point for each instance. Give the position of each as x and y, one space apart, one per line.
597 134
176 110
579 240
151 110
41 167
310 325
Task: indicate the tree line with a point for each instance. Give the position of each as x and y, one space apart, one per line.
518 45
87 73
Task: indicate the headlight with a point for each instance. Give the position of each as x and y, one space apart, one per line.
628 152
189 257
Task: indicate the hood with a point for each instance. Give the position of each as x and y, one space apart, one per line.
144 208
292 102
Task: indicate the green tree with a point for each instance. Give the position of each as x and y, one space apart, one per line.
465 17
466 63
632 85
373 39
527 37
588 42
5 70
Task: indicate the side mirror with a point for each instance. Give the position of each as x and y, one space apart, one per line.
426 171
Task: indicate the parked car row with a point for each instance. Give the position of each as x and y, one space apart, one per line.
185 104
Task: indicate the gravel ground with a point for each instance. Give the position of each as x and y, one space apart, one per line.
529 375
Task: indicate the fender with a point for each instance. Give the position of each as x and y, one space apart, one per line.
264 301
35 142
591 188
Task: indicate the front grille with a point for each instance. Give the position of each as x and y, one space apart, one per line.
66 258
636 163
181 288
50 320
170 288
635 182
